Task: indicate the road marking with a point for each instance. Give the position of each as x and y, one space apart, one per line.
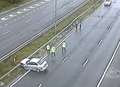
11 15
113 56
31 7
19 79
85 63
4 19
5 33
100 42
46 0
9 72
42 2
19 12
37 5
25 9
40 85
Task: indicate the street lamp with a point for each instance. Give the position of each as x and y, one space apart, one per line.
55 14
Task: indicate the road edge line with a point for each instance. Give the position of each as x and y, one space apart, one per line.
108 65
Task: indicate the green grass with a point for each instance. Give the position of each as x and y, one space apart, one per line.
14 74
5 5
8 64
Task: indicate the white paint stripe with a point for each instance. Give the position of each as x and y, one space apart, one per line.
19 12
46 0
85 63
9 72
100 42
40 85
113 56
11 15
26 9
36 4
42 2
31 7
19 79
3 19
5 33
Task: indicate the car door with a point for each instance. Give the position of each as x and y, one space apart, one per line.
32 66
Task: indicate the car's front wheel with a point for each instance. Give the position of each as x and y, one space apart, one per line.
38 70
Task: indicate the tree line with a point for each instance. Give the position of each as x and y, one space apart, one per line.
14 1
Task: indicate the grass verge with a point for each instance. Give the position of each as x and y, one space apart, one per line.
9 63
5 5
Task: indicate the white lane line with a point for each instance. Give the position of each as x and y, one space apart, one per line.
19 79
100 42
37 5
4 19
42 2
40 85
26 9
46 0
9 72
19 12
113 56
31 7
11 15
85 63
5 33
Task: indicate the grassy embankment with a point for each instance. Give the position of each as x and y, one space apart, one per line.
5 5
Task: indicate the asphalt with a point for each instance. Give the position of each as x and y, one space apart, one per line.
17 30
87 55
112 77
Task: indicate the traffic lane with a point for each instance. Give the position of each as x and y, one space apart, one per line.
64 76
112 77
84 46
44 11
27 31
4 14
98 61
11 40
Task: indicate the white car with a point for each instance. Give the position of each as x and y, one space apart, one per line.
35 64
107 2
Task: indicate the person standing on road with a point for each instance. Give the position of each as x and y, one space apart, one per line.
80 26
52 51
76 27
64 47
48 49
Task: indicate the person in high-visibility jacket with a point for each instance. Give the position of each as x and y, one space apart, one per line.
48 49
52 51
63 47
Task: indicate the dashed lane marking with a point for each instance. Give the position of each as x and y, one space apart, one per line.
4 19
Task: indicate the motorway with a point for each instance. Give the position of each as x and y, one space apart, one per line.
87 55
20 26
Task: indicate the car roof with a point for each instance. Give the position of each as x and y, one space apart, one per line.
36 60
25 60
